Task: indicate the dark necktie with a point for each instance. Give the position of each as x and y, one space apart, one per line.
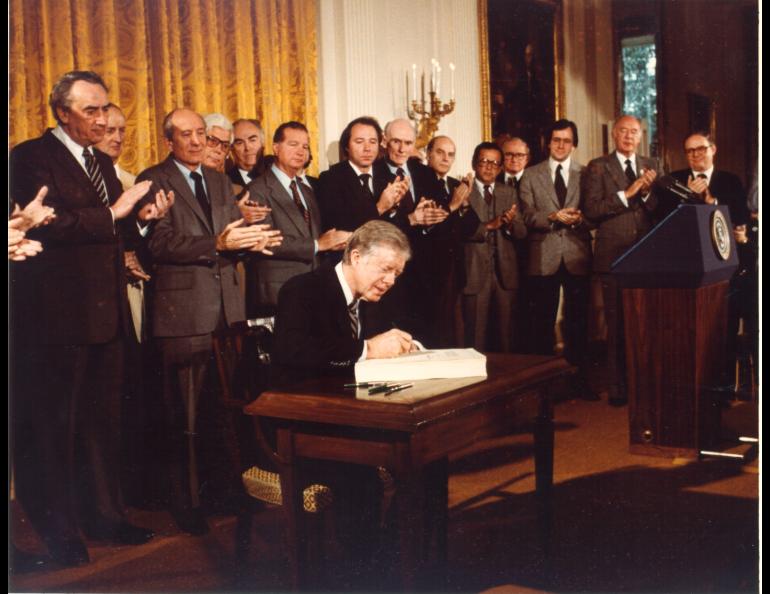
95 175
364 177
630 172
560 186
298 201
703 176
510 181
407 202
353 315
200 195
489 201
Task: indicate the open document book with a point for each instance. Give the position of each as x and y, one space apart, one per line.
421 365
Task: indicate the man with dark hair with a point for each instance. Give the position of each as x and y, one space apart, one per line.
195 293
618 198
347 189
491 269
295 212
70 319
559 249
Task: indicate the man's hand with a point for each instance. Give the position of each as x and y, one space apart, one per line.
388 344
128 199
34 214
427 212
251 211
19 247
392 194
509 216
642 184
134 269
566 216
333 240
269 238
700 186
158 209
237 237
741 236
461 194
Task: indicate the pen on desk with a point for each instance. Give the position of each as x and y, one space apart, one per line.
397 388
379 389
366 384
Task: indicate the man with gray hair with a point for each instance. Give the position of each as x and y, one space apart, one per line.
328 319
70 320
219 137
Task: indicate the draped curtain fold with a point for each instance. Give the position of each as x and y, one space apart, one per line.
243 58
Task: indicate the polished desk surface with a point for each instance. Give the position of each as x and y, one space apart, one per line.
324 400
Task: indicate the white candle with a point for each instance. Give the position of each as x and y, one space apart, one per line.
438 80
452 81
414 82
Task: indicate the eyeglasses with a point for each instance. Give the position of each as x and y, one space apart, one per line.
697 151
516 155
215 142
488 163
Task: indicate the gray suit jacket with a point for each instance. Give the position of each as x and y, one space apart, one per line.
619 226
479 263
192 283
550 243
296 254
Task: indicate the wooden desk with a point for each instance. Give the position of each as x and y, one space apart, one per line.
317 419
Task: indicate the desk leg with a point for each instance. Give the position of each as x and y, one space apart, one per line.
293 510
544 437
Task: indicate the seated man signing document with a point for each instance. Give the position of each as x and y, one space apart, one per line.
328 319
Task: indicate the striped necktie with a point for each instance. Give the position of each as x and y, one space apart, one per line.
298 201
95 175
353 315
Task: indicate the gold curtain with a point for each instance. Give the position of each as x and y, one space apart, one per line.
243 58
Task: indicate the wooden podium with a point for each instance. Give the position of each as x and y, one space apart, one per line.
674 284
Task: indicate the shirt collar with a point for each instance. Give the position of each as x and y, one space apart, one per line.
708 173
480 185
553 164
186 171
622 159
359 173
71 145
346 290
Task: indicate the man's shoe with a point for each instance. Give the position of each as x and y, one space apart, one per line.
191 521
67 552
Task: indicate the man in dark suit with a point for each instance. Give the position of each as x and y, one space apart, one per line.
295 212
715 186
440 252
559 249
491 269
515 161
617 198
70 318
328 319
414 213
196 291
346 191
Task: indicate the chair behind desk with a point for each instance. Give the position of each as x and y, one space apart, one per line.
242 354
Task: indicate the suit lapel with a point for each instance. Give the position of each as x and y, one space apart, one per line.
546 184
70 164
181 188
283 200
573 187
616 171
218 202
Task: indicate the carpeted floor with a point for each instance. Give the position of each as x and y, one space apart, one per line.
623 523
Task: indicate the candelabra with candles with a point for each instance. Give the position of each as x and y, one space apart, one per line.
427 117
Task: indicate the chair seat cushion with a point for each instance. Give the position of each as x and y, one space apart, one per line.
266 486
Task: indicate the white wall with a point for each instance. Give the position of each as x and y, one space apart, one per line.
588 72
365 50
